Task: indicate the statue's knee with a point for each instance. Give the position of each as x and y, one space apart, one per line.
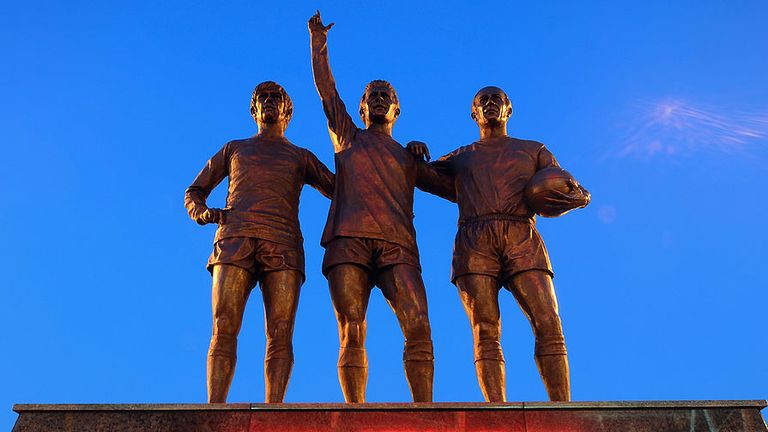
418 328
224 322
279 340
418 350
550 345
279 330
485 330
487 337
549 335
352 333
548 325
353 357
418 338
223 345
352 336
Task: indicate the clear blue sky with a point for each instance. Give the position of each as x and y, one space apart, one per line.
110 109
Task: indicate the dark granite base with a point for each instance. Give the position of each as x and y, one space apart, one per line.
684 416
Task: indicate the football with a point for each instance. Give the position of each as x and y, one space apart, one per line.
553 192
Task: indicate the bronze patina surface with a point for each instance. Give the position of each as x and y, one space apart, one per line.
497 243
258 239
369 236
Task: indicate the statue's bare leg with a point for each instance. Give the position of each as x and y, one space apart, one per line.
231 286
535 294
280 290
350 291
404 290
480 296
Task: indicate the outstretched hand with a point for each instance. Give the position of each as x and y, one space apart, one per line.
316 24
419 150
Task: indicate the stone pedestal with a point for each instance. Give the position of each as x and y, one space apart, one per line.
683 416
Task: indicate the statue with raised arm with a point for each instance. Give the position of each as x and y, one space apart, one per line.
500 183
258 239
369 237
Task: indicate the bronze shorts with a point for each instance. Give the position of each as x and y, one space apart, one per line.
498 248
256 255
372 254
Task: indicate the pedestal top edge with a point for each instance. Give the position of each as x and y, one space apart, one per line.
450 406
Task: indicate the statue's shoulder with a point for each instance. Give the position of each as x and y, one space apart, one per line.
463 149
299 150
295 149
237 144
525 144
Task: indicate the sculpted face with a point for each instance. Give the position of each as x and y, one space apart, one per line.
379 105
491 106
270 106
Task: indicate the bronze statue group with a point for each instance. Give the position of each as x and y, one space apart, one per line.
498 182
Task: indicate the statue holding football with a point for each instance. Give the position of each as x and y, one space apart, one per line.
499 183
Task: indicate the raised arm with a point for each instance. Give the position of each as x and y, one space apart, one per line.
340 124
319 176
210 176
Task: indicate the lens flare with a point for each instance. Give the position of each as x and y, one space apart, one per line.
677 127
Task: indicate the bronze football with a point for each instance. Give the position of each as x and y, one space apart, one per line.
550 192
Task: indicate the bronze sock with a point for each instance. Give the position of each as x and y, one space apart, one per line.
552 361
419 374
491 375
353 373
277 372
222 356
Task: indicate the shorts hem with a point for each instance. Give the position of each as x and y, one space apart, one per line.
210 267
545 270
327 268
456 276
303 275
499 277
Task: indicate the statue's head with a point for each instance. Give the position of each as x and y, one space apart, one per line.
271 104
491 107
379 103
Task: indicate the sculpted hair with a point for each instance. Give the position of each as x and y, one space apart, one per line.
268 86
507 102
379 83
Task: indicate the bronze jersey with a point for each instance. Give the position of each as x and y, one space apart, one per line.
490 176
266 176
375 180
375 175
